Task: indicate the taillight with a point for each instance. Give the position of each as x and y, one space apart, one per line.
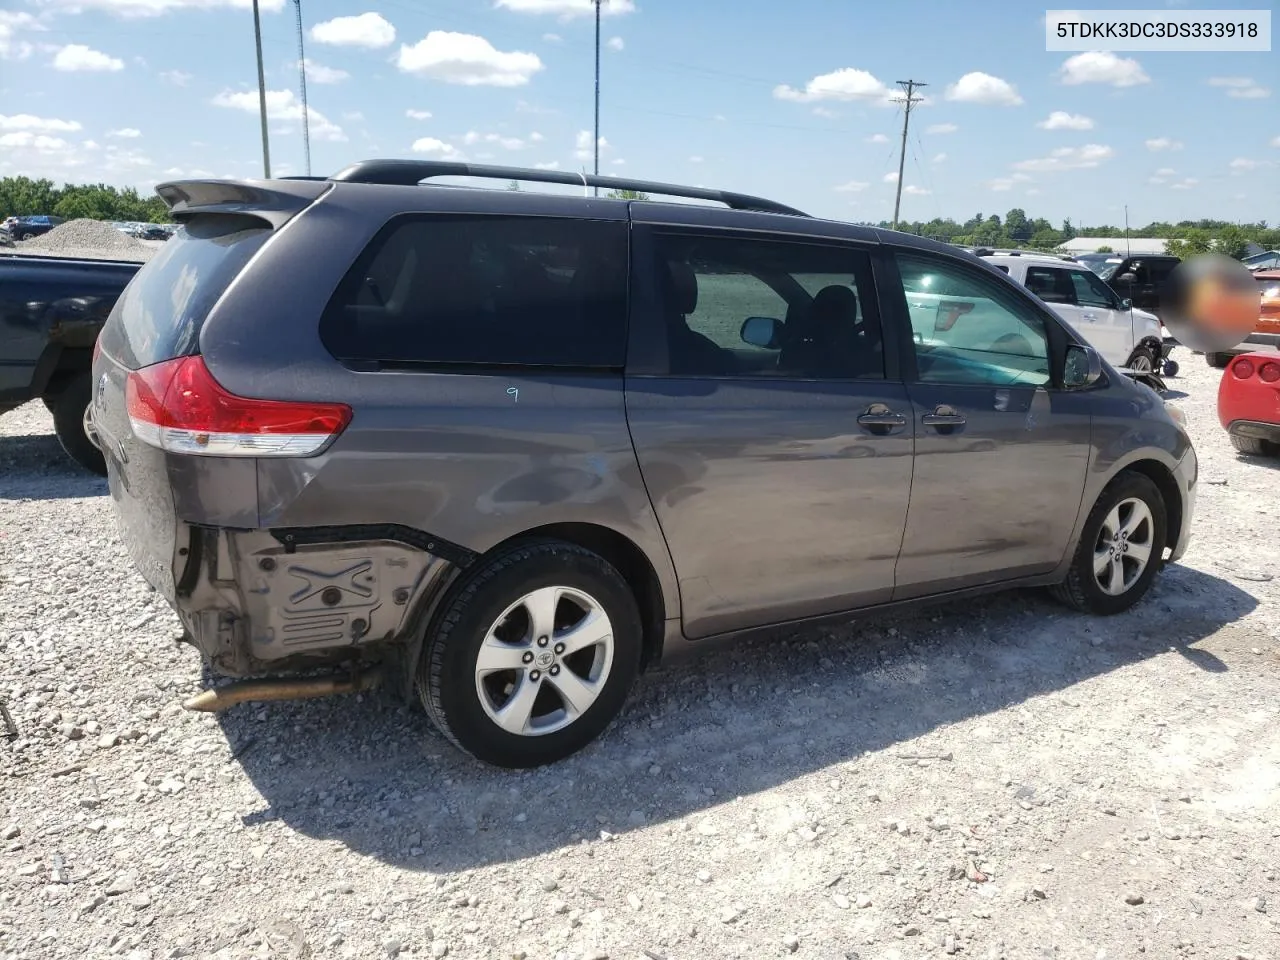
949 311
1242 368
178 406
1270 372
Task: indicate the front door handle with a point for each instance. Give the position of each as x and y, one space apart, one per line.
943 417
879 419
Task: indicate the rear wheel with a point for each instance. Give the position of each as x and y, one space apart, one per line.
1218 361
1121 548
68 408
1255 446
533 655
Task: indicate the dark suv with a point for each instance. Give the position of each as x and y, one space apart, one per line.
509 447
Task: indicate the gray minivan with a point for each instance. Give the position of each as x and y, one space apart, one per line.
509 448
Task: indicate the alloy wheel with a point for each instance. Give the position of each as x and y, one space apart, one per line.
544 661
1123 548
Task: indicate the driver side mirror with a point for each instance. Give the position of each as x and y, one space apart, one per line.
1083 367
763 332
1126 304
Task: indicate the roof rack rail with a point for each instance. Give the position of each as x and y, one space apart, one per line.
411 172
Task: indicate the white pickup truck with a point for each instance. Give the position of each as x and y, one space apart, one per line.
1125 336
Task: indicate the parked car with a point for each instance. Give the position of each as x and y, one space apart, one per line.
1124 335
28 228
1249 403
51 310
1266 332
1143 280
1096 261
1267 260
528 444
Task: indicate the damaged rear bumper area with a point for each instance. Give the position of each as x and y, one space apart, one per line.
265 601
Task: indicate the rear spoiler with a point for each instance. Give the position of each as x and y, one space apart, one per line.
275 201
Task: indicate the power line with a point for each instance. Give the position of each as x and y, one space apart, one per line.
908 101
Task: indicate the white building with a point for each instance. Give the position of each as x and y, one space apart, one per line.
1134 245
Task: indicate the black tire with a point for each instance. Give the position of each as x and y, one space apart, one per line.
1080 589
1218 361
1255 446
27 236
68 409
446 680
1171 368
1143 353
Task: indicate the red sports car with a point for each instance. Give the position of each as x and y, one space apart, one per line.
1249 403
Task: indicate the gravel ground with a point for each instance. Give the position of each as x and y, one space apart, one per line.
988 779
87 239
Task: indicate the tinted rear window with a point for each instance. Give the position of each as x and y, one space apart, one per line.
160 313
491 291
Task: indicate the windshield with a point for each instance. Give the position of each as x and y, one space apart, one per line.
1107 270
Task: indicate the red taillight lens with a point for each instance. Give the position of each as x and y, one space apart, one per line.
949 311
178 406
1270 372
1243 368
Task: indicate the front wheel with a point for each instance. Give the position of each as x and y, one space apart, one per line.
532 656
1121 548
1142 361
68 409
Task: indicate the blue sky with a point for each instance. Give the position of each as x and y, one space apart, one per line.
785 100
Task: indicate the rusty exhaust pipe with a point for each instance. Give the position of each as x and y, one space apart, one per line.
302 688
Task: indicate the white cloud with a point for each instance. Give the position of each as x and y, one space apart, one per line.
77 58
355 116
552 165
319 73
369 30
939 158
418 114
891 177
36 141
1242 88
1165 172
616 43
1100 66
1069 158
877 138
1061 120
179 78
695 159
282 105
466 59
155 8
536 137
125 133
978 87
617 161
1033 192
846 84
567 9
938 128
582 145
436 148
851 186
472 137
1275 141
1156 144
552 38
25 121
1186 184
10 23
912 190
1244 164
826 112
1001 184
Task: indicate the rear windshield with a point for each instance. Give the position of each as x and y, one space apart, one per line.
484 290
160 313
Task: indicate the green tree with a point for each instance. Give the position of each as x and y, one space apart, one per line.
514 186
1192 242
22 196
1104 249
1232 241
1017 225
626 195
1068 231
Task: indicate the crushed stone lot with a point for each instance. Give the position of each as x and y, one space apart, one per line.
996 778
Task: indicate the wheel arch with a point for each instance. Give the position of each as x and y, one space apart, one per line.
1162 476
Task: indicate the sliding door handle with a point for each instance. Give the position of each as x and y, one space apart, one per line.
943 416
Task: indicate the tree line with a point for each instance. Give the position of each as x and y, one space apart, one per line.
1187 237
23 196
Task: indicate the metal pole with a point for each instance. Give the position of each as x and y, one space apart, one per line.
596 140
302 85
909 86
262 93
1126 230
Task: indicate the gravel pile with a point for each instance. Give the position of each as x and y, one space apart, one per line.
87 238
990 779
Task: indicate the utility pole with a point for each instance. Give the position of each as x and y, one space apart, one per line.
909 86
262 93
596 140
1126 230
302 85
